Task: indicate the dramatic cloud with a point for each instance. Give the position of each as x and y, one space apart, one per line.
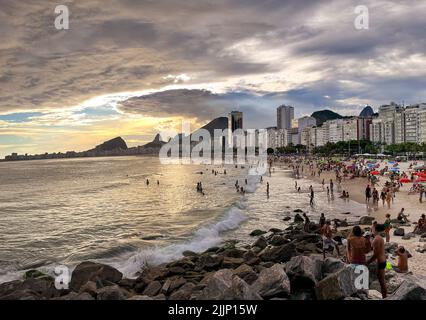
200 59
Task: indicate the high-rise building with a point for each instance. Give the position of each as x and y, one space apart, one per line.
235 120
335 130
305 122
285 116
350 129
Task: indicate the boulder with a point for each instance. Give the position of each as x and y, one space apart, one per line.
298 219
91 271
111 293
225 285
152 289
409 290
391 247
374 295
272 282
275 230
278 254
89 287
304 272
366 220
332 265
286 218
260 243
176 284
298 211
399 232
208 262
184 293
337 285
278 240
231 263
139 297
257 232
246 273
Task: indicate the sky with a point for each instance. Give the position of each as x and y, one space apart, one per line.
132 68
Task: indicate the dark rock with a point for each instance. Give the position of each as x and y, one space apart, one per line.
91 271
152 289
304 272
399 232
140 297
287 218
257 232
246 273
278 254
391 247
275 230
184 293
366 220
298 211
224 285
111 293
176 284
189 253
260 243
176 271
337 285
233 253
332 265
127 283
231 263
209 262
410 290
277 240
298 219
89 287
272 282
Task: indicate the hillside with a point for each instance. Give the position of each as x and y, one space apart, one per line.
325 115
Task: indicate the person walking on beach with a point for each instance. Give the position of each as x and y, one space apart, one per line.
388 227
267 189
367 194
331 185
327 240
147 182
379 255
311 202
389 199
383 197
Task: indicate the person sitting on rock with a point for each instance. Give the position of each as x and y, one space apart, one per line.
327 240
421 225
402 260
402 217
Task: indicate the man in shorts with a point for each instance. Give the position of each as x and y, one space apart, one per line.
327 240
379 255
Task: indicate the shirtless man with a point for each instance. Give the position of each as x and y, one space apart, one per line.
358 247
402 260
327 240
379 256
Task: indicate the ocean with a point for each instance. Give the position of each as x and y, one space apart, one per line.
62 212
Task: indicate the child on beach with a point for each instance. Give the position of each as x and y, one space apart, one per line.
402 260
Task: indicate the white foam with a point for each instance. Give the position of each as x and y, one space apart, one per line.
203 239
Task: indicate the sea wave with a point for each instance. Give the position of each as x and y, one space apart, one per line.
203 239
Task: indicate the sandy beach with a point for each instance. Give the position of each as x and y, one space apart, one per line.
413 207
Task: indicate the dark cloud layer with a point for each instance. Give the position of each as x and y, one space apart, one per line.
260 53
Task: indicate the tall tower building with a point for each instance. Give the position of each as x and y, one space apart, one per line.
235 120
285 115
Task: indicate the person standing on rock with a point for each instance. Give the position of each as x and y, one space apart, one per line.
379 255
357 247
322 220
327 240
307 223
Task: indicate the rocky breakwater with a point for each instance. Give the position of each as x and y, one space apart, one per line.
279 265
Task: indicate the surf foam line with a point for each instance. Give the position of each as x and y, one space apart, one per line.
203 239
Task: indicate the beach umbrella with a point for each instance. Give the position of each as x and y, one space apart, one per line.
394 169
421 179
405 180
375 172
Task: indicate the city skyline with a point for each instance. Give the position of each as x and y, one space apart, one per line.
130 69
